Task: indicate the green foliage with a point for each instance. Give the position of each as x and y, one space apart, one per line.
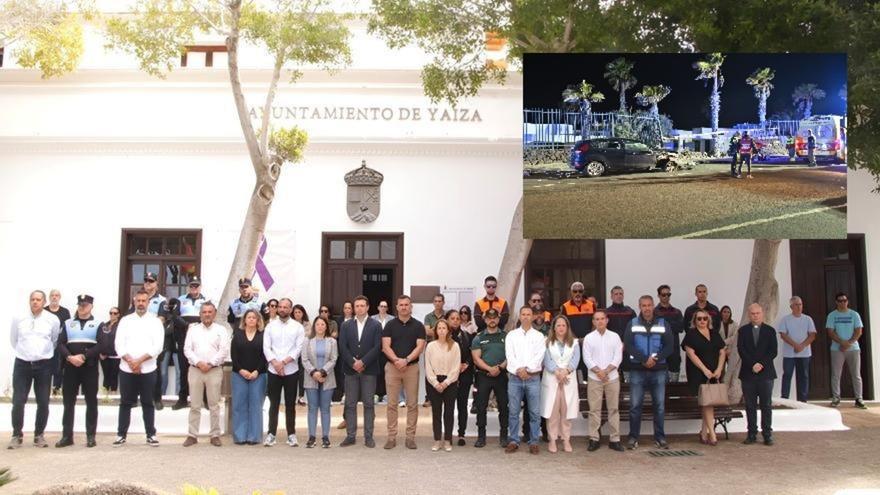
288 144
760 80
863 95
46 34
619 73
156 35
298 36
710 67
652 95
583 92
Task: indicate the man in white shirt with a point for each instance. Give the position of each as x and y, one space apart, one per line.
206 348
603 352
797 331
139 340
524 349
33 338
282 345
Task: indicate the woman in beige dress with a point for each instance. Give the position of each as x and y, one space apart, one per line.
728 331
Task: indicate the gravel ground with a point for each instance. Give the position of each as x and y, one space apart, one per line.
799 463
690 203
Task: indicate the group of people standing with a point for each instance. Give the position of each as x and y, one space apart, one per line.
532 370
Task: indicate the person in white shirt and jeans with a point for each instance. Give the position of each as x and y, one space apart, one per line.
139 341
206 348
33 338
524 349
282 345
603 352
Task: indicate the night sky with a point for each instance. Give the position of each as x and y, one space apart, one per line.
545 76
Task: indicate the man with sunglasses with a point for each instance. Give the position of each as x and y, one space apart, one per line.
673 316
79 346
491 301
190 308
844 327
579 311
536 302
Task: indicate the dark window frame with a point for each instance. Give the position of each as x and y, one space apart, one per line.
126 260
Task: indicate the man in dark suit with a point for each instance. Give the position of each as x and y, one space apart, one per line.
757 349
360 342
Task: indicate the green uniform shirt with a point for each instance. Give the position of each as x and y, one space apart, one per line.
491 346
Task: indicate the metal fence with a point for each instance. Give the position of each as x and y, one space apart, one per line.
553 128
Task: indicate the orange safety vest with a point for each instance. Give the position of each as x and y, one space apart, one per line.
569 308
484 304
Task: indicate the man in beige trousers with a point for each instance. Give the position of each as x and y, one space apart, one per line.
602 354
206 349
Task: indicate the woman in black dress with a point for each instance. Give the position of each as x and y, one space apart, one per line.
705 351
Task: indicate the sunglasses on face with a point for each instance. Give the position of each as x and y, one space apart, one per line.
535 300
702 318
577 291
491 286
666 294
114 313
273 305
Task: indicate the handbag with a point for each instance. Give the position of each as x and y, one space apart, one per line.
713 394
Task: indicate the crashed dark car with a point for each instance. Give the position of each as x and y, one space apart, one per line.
598 156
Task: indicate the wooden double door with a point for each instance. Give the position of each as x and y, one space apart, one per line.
819 270
368 264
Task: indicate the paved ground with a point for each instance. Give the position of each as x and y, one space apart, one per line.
800 463
779 202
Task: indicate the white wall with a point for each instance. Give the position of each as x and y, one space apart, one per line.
863 206
640 266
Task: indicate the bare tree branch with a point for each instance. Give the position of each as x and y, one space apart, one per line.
267 106
247 126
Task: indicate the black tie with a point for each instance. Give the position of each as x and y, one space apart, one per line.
756 332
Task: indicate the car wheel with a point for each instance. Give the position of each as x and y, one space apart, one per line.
594 168
666 166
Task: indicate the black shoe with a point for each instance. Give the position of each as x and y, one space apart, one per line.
749 440
347 442
158 405
480 443
325 443
370 443
835 402
90 441
461 442
768 441
616 446
593 446
503 441
860 404
179 405
310 444
64 442
473 409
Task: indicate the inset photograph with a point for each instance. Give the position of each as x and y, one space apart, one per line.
700 145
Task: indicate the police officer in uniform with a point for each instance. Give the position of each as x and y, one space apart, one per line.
81 341
190 306
490 362
246 301
735 165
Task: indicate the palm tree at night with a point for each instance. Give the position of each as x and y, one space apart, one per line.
710 68
804 96
583 95
650 96
760 82
619 73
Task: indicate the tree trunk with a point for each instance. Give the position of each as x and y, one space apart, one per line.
622 100
248 243
516 253
762 108
763 288
715 106
808 108
655 110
